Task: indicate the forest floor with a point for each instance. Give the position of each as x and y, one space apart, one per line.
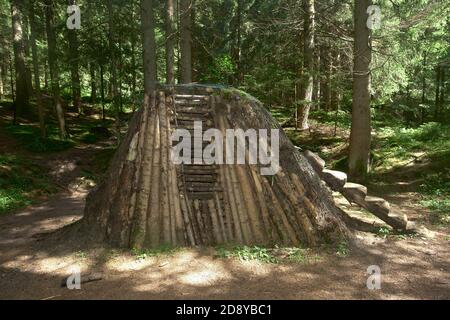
33 264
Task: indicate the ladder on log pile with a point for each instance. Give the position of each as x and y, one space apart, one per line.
199 183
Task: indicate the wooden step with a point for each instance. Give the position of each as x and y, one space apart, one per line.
190 109
201 178
188 96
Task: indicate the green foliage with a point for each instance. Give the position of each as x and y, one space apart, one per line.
163 250
29 137
384 232
220 70
81 254
342 118
399 146
342 249
21 182
436 196
300 255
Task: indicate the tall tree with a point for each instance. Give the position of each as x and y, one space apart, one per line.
53 66
113 67
149 46
2 70
22 104
26 42
93 80
308 65
360 137
36 70
170 41
237 43
186 40
74 67
438 88
424 86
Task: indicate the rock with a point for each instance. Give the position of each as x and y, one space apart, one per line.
355 193
316 162
411 227
397 221
381 208
335 179
377 206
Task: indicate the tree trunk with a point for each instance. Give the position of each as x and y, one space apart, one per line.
335 90
53 66
36 71
424 86
444 90
46 76
360 137
113 66
2 70
11 81
317 76
26 42
74 68
149 46
170 41
238 45
325 83
308 65
135 99
4 74
22 103
186 40
438 88
102 90
93 83
133 42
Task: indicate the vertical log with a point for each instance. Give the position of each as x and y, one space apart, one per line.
230 206
154 218
142 147
284 226
140 227
166 215
221 218
216 229
258 231
302 218
262 204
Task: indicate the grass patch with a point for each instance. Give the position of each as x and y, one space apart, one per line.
164 250
342 249
246 253
436 196
398 146
274 255
384 232
300 255
341 118
29 137
21 183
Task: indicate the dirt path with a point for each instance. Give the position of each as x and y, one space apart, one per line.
33 266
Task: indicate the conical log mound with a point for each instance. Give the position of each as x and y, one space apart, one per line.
146 201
